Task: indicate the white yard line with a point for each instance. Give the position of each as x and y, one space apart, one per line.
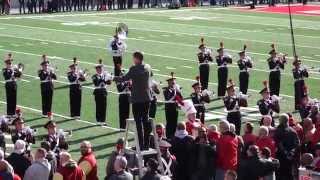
62 116
188 67
170 68
89 63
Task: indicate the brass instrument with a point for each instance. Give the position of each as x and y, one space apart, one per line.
282 57
79 72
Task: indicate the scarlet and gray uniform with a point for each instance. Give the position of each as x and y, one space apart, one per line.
275 66
10 76
46 78
75 90
222 62
244 66
299 74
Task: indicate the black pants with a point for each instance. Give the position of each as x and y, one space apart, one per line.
222 80
171 119
21 7
34 6
75 100
140 114
100 96
83 5
235 118
124 109
41 6
274 82
140 3
11 94
200 113
90 3
244 82
298 92
130 4
46 95
75 4
204 75
68 5
153 108
117 60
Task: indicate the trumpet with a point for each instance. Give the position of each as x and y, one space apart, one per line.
18 67
80 73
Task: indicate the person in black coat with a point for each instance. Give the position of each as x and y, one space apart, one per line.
199 99
152 172
46 75
222 61
253 167
244 64
275 63
18 159
287 142
299 73
182 145
204 157
10 75
204 58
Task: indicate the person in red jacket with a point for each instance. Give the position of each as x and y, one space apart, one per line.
213 134
227 150
316 136
264 140
87 161
249 138
296 126
68 169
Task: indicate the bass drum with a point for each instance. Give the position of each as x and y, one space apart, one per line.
175 4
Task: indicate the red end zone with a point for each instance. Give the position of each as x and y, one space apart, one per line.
295 9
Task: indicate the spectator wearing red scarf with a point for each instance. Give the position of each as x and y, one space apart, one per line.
88 162
296 126
267 122
264 140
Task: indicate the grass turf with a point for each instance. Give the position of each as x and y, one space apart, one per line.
169 40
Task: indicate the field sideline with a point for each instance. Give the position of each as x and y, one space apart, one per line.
169 40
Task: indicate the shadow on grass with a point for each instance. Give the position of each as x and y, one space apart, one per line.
67 86
214 108
77 141
33 119
82 128
45 121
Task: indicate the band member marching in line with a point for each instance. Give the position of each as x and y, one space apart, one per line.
232 103
117 48
124 89
276 63
244 64
199 98
10 74
154 87
100 81
222 61
46 75
268 104
75 76
171 93
309 107
299 73
204 57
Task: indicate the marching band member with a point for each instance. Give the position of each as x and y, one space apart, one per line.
309 108
232 103
10 74
199 99
124 89
100 80
244 64
268 104
276 63
55 137
46 75
75 76
222 61
299 73
170 93
168 160
154 92
117 48
204 57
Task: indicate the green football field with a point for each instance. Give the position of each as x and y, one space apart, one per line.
169 40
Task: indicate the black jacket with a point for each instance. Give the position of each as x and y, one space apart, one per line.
19 163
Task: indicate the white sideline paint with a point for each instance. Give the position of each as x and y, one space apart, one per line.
170 68
155 41
157 55
189 67
62 116
89 63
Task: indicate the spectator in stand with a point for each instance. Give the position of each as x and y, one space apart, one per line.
213 134
120 166
10 168
204 156
266 155
88 162
5 174
316 160
132 159
160 130
68 169
241 147
296 126
264 140
316 135
227 144
18 159
51 157
309 130
169 161
40 168
267 122
287 143
182 145
230 175
248 138
152 170
261 167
